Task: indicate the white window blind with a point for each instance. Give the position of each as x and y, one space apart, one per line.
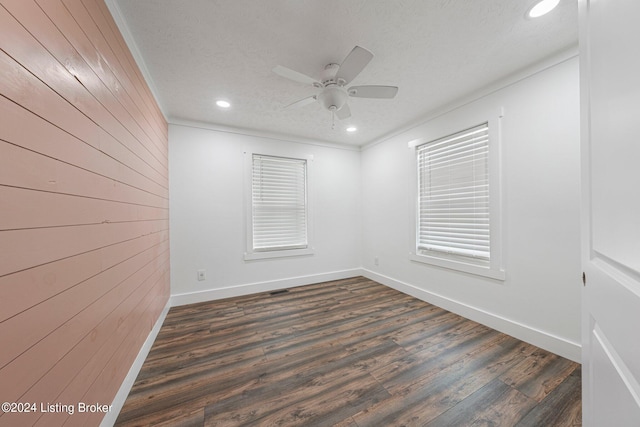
453 194
279 203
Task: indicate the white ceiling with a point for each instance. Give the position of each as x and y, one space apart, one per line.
436 51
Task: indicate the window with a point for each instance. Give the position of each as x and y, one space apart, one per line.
455 210
453 194
279 211
279 201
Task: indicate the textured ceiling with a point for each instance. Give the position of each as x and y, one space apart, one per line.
436 51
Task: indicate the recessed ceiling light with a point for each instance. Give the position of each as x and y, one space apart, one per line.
542 7
352 129
223 104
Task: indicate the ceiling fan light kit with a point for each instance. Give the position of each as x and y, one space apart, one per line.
333 95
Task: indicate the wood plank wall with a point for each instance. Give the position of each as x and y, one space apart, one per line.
84 208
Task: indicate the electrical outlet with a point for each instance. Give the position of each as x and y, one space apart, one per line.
376 261
201 275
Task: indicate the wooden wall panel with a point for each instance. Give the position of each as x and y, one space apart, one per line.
142 132
67 210
25 89
49 360
22 290
29 328
64 77
27 169
31 247
84 271
44 138
125 59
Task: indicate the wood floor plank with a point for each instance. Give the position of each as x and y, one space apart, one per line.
342 330
438 390
561 408
348 353
539 374
396 376
326 399
346 423
495 404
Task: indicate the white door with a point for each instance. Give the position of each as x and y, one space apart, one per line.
610 73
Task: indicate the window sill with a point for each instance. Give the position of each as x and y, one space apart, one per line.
250 256
478 270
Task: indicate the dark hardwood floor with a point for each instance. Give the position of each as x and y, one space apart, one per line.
345 353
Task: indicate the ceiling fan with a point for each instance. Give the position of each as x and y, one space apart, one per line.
333 94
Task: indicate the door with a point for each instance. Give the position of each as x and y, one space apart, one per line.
610 101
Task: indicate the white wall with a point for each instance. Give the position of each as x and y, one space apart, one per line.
207 216
540 299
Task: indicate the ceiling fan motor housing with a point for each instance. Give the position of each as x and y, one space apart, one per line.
333 97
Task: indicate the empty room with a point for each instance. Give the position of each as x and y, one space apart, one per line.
319 213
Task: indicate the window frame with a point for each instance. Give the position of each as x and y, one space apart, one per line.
259 254
449 125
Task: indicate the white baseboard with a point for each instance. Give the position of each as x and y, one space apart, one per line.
118 401
257 287
542 339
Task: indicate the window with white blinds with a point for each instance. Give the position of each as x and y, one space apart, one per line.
453 195
278 203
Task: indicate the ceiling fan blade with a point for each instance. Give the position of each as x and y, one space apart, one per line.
344 112
294 75
353 64
385 92
301 103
